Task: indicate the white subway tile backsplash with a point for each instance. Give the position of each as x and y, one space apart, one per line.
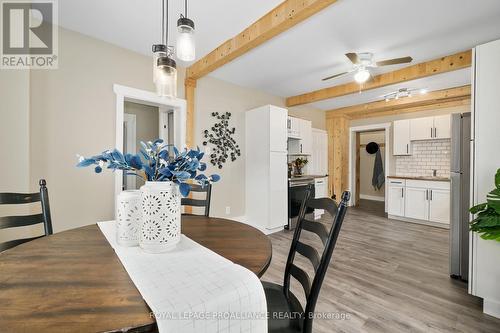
427 156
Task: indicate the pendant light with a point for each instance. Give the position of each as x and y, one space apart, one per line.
185 45
164 66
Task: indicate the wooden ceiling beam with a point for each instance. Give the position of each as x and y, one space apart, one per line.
379 108
281 18
414 72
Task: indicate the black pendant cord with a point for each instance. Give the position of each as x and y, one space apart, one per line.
186 8
164 22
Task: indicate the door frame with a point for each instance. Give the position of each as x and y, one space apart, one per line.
128 94
130 123
353 133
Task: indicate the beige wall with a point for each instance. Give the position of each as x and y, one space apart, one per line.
72 111
14 130
367 162
216 95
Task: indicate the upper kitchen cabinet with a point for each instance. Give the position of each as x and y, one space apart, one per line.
293 127
277 133
422 128
430 128
305 137
402 144
442 127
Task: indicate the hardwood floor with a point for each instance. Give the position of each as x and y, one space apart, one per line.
386 276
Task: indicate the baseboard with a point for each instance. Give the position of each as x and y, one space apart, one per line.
491 307
243 219
371 197
429 223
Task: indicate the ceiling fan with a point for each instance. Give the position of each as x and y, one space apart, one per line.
403 92
363 61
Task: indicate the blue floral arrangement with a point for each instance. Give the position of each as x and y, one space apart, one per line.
158 165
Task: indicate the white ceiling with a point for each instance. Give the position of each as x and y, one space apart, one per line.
295 61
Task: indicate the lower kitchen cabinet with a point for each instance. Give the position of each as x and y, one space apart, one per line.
419 200
439 206
396 199
417 203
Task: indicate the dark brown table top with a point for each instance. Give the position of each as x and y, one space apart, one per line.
73 281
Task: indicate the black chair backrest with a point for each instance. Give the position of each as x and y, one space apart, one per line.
320 264
26 220
207 189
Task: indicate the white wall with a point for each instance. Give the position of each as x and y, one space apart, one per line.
486 253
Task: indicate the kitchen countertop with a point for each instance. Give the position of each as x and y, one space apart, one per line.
307 177
438 179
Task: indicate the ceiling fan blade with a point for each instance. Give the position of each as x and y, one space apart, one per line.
334 76
395 61
353 57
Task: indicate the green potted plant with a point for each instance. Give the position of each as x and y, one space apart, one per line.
487 221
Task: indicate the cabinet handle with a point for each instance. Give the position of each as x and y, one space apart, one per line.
426 195
435 132
402 193
431 195
431 133
407 149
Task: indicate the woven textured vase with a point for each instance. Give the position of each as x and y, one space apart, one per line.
128 218
161 216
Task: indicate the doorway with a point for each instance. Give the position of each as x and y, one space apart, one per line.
369 161
370 170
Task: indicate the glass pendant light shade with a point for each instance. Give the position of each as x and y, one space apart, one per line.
159 51
166 77
185 45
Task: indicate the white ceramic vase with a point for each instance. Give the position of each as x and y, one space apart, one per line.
161 216
128 218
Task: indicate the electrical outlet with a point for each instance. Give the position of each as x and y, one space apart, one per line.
228 210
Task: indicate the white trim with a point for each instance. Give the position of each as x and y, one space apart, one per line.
123 94
371 197
130 120
352 153
491 307
417 221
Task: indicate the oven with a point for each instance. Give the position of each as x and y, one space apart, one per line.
297 188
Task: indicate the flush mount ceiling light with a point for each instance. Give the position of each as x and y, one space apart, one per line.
164 66
185 44
402 93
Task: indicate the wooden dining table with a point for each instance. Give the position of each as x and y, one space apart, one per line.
73 281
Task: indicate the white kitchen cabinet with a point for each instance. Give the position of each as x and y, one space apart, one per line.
396 197
305 127
318 162
401 137
266 174
430 128
277 132
417 203
439 206
422 128
442 127
293 127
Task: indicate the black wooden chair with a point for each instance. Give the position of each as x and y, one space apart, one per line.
26 220
207 189
286 312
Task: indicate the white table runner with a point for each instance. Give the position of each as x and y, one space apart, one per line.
193 289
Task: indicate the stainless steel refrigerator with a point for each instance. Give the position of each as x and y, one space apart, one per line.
460 195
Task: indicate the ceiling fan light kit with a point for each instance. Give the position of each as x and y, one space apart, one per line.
362 75
362 62
164 65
